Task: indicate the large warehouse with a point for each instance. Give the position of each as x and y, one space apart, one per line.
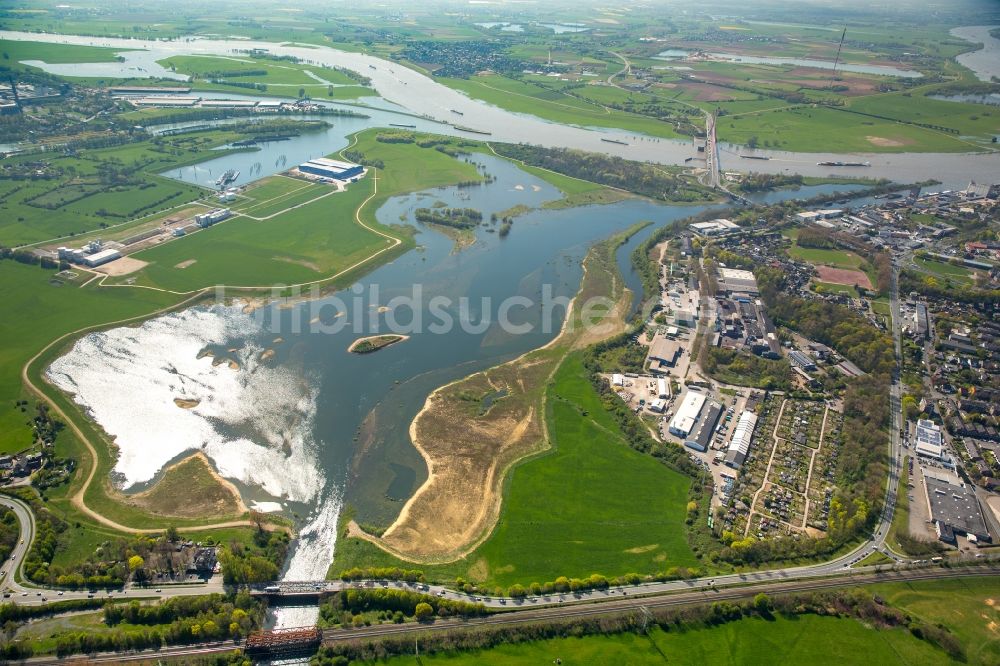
739 446
327 168
700 438
687 414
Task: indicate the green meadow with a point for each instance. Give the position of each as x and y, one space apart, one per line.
590 504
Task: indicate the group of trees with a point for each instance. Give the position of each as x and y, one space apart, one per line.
382 573
763 182
638 177
177 621
734 367
256 562
457 218
342 607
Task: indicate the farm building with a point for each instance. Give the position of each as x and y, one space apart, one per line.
687 414
327 168
101 258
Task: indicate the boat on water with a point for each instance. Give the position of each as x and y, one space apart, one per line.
620 143
457 112
755 157
402 125
845 164
228 177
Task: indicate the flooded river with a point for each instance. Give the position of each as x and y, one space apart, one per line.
421 95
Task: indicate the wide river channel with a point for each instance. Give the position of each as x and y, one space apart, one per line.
298 423
421 95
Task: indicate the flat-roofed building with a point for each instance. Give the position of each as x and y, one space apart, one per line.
328 168
718 227
687 414
954 509
735 280
699 438
663 354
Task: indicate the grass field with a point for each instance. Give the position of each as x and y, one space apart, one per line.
13 52
75 200
943 269
564 512
283 79
819 130
807 639
828 257
533 99
832 287
967 606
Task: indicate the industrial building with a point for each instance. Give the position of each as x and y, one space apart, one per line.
802 361
327 168
736 281
687 414
206 220
739 446
954 510
93 254
148 90
700 438
663 354
719 227
166 100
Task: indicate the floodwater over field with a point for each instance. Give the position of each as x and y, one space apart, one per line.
882 70
423 96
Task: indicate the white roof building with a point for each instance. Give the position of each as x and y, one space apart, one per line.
687 414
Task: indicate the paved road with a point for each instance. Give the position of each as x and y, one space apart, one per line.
562 612
35 595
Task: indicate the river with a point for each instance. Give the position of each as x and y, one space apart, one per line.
421 95
984 62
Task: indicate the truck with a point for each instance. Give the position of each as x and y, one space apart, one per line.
273 589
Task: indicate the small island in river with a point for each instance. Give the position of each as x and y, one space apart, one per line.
373 343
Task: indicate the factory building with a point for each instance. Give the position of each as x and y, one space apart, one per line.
206 220
687 414
802 361
739 446
93 254
719 227
327 168
663 354
736 281
701 437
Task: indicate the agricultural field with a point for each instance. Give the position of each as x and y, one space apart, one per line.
72 194
280 78
13 53
804 639
549 103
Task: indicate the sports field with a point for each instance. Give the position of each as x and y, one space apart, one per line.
943 269
827 257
